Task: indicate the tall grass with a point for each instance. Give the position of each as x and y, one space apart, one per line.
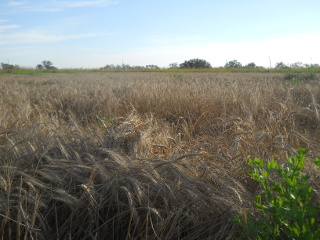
143 155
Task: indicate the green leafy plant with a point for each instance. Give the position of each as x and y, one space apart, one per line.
294 81
295 77
285 205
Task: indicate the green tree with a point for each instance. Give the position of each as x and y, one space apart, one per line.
233 64
8 67
280 65
251 65
46 65
39 67
152 66
173 65
297 65
195 63
312 65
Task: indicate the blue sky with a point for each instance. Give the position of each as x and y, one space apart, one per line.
91 34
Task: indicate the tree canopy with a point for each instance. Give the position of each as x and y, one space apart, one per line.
46 65
195 63
251 65
9 67
280 65
233 64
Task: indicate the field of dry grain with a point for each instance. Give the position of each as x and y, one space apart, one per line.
143 155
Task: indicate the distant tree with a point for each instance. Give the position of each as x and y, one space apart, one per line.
127 66
46 65
142 67
39 67
297 65
251 65
195 63
280 65
110 66
152 67
233 64
8 67
312 65
173 65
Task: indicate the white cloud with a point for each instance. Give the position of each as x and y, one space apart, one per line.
43 9
3 20
72 4
38 37
6 27
16 3
56 6
170 40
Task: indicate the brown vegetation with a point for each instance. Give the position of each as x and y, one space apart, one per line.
143 155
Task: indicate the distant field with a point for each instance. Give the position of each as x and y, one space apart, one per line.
162 70
143 155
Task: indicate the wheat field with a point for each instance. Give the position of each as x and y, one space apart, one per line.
129 155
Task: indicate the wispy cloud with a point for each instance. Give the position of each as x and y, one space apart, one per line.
38 37
7 27
42 9
56 6
171 39
16 3
73 4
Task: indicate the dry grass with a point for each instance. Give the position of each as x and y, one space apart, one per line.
143 155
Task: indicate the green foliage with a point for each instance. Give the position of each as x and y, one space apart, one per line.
285 205
195 63
9 68
295 77
173 65
39 67
281 65
294 81
48 65
179 76
152 66
297 65
233 64
250 65
105 124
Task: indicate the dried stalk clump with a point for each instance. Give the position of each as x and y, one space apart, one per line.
143 155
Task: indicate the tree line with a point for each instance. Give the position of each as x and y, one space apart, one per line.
194 63
200 63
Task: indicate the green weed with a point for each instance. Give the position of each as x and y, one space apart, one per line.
295 77
285 205
105 123
179 76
